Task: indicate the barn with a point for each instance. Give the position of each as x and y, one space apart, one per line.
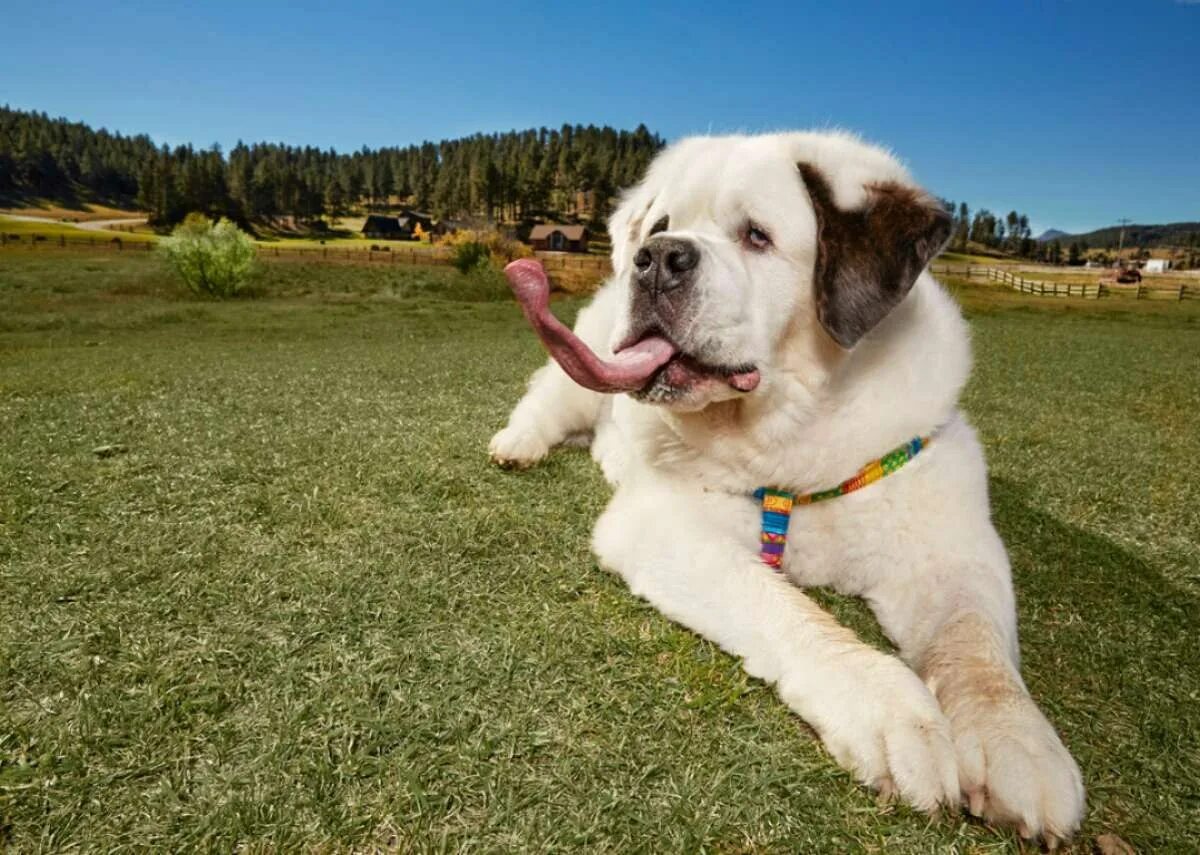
402 227
555 237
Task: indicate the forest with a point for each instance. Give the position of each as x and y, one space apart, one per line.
571 172
574 170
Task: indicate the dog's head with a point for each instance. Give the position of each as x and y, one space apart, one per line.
731 247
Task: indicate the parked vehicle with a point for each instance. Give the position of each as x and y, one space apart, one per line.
1125 275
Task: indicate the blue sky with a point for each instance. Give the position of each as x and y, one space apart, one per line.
1075 112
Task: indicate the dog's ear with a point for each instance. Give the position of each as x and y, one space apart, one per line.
869 258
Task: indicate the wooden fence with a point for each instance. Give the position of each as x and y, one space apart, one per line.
1092 290
1087 290
575 273
88 242
569 271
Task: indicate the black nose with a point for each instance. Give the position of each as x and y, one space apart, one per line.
664 263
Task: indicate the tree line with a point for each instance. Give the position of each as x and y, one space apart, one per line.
572 170
1011 234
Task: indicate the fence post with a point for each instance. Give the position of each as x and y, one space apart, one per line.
1181 287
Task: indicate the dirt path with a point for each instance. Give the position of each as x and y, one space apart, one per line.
90 226
100 225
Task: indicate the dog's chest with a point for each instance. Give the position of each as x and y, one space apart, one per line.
845 544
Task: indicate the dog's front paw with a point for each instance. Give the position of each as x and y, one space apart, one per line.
1014 769
887 729
517 449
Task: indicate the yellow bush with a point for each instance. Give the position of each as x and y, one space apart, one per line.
500 249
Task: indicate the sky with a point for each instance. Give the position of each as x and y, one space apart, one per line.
1078 113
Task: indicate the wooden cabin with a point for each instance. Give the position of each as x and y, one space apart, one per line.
554 237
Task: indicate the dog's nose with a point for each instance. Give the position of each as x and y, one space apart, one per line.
664 263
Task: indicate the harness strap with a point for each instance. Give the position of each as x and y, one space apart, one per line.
777 505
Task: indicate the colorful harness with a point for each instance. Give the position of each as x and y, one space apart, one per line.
777 504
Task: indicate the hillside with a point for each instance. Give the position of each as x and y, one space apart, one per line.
1165 234
573 171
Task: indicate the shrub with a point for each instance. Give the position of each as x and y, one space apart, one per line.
213 259
470 249
470 255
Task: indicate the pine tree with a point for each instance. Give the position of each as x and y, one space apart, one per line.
505 176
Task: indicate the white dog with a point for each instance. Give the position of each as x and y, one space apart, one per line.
779 330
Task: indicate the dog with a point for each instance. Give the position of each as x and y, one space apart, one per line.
771 293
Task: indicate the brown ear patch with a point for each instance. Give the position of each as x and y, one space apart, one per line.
869 258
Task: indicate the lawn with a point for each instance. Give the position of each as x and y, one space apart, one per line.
143 233
54 231
260 588
82 213
951 257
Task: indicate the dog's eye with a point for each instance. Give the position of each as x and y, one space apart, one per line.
756 238
660 226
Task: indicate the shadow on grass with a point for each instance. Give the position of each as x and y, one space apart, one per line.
1108 644
1109 647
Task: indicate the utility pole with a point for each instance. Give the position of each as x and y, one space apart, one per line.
1120 246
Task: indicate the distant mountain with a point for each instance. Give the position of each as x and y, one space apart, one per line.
1165 234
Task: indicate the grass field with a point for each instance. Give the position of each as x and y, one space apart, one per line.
52 231
259 587
340 239
950 257
84 212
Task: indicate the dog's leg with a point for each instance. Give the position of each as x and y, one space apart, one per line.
555 407
694 556
959 634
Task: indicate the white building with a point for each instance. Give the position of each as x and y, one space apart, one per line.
1157 265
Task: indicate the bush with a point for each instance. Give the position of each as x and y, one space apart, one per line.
213 259
470 255
472 250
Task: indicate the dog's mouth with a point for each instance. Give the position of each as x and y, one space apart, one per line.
646 361
684 372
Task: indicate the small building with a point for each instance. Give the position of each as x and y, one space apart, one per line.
556 237
1157 265
401 227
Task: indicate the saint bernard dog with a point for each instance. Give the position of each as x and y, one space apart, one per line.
770 323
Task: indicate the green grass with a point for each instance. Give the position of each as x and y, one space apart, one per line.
949 257
53 231
298 609
354 241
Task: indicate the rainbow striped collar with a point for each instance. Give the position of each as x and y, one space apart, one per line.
777 504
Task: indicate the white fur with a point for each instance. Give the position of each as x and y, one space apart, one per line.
950 717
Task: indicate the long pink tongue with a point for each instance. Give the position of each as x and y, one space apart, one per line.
628 371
